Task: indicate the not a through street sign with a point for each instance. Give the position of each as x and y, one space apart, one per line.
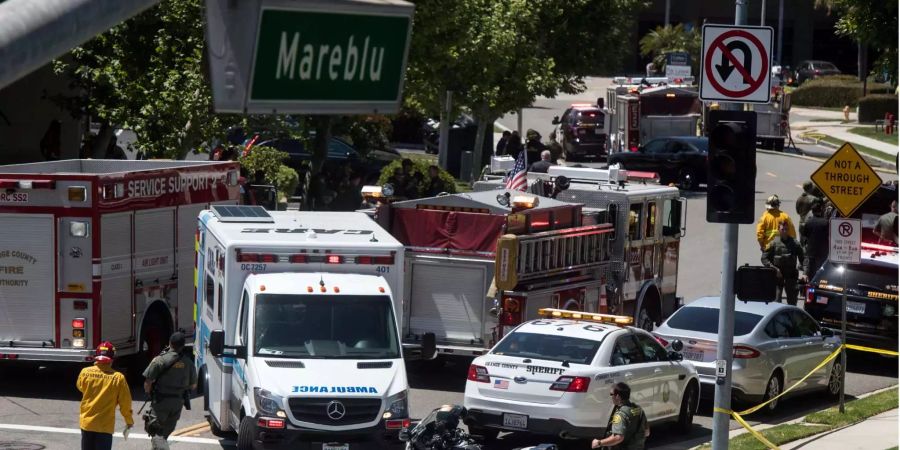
846 179
308 56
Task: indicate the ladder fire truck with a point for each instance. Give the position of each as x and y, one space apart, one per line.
646 108
647 222
100 250
478 264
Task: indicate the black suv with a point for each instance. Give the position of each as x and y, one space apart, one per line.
582 132
871 297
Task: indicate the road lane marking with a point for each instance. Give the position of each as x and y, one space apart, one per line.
798 186
771 175
192 440
190 429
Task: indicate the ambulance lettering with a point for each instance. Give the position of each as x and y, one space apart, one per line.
334 390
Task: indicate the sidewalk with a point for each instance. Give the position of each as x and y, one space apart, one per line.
875 433
836 129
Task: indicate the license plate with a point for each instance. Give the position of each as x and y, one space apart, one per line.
335 446
693 356
822 300
514 421
856 307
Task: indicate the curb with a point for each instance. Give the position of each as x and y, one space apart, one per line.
741 431
820 159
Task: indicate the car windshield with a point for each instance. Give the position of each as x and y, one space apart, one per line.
866 276
824 66
700 144
706 320
318 326
591 117
548 347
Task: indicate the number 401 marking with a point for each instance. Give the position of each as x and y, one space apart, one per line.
383 269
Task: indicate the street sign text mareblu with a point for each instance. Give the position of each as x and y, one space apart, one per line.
846 179
326 56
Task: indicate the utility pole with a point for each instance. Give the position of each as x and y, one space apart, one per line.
762 14
444 131
780 58
667 12
725 347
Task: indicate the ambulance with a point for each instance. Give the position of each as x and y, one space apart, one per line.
298 329
101 250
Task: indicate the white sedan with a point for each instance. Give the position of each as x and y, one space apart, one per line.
552 376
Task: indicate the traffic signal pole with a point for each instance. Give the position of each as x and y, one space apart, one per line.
725 347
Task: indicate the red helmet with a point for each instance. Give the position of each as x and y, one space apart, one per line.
105 352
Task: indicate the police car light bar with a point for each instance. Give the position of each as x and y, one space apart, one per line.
884 248
590 317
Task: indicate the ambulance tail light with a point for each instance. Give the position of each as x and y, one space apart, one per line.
397 424
376 260
571 384
512 311
334 259
266 422
268 258
745 352
78 323
257 257
478 374
299 258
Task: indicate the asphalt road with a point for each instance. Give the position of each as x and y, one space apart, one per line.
39 407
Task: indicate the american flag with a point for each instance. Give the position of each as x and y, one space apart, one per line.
516 180
501 384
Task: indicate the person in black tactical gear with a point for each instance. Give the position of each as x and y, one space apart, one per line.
168 379
627 428
815 233
785 255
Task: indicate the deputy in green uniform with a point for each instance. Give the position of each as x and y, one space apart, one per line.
785 254
167 378
627 428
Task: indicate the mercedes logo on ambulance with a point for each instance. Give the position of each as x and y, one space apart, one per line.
335 410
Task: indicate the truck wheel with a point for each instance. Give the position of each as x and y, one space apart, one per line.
246 434
687 180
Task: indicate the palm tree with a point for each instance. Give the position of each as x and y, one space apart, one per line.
669 39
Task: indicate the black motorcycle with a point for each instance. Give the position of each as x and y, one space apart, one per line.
440 431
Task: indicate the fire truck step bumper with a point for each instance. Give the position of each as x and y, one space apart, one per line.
46 354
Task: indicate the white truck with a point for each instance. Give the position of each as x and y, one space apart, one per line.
298 328
101 250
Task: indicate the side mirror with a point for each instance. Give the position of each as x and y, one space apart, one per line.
677 345
555 120
675 356
217 342
429 346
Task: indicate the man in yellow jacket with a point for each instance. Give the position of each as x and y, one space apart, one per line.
767 227
103 388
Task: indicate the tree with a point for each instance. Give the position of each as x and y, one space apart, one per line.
873 23
662 40
498 56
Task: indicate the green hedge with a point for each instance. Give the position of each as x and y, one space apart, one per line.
421 166
873 107
834 92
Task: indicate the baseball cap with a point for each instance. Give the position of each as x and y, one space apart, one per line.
105 352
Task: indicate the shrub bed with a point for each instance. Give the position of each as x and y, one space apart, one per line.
834 92
873 107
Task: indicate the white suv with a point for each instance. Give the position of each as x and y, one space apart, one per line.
552 376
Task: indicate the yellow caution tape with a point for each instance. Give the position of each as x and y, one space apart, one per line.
758 435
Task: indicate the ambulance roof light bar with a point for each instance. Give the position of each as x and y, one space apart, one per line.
553 313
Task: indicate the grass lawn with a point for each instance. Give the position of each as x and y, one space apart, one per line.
861 148
870 132
855 411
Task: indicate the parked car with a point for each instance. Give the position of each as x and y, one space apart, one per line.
583 132
775 345
678 159
810 70
783 75
871 289
340 153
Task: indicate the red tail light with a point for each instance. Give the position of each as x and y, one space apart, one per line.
378 260
661 341
77 323
633 148
248 257
818 71
334 259
810 294
298 259
397 424
744 352
479 374
268 258
571 384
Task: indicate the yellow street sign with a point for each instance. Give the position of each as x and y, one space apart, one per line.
846 179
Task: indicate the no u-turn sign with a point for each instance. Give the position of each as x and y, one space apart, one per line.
735 63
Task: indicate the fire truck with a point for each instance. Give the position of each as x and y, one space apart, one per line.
100 250
646 108
647 222
478 264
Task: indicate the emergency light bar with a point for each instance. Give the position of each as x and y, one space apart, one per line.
27 184
554 313
304 258
879 247
613 175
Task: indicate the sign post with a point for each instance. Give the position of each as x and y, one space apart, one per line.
735 64
307 56
845 241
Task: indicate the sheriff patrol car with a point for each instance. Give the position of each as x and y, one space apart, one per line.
553 376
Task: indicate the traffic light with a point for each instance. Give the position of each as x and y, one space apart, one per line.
731 166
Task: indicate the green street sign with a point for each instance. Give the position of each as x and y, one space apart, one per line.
307 56
312 57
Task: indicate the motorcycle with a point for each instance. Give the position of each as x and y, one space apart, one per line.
440 431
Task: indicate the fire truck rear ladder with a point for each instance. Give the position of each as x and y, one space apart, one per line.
548 253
